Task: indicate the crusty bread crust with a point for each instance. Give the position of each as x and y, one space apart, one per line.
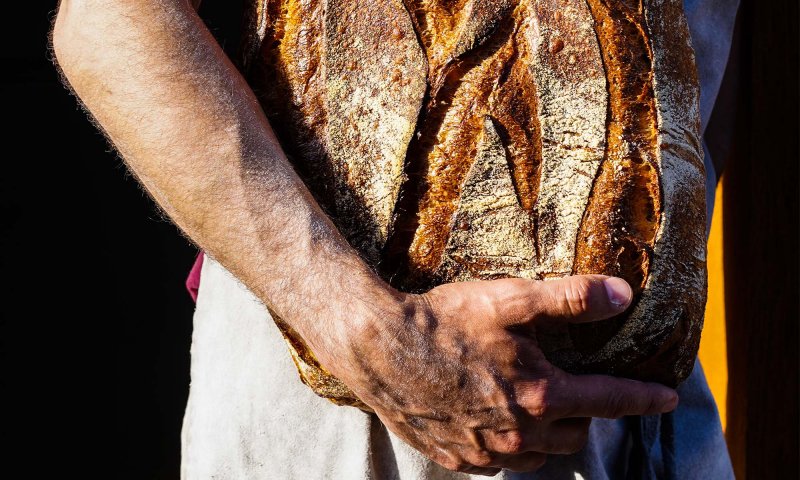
455 140
660 338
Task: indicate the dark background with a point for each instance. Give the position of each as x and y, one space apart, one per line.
95 323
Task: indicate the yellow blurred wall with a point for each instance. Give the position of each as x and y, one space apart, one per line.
713 352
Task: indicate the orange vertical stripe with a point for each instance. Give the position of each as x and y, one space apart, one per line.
712 344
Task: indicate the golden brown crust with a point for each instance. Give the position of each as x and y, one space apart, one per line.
621 219
655 237
312 373
492 234
462 139
573 109
374 85
620 222
661 337
354 77
445 147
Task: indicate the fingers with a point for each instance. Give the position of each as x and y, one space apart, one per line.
476 463
563 437
514 301
580 298
526 452
521 462
609 397
574 299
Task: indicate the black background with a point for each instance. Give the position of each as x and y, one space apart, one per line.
96 323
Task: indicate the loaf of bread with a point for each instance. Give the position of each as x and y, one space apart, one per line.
454 140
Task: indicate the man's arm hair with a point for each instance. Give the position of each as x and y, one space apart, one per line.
192 131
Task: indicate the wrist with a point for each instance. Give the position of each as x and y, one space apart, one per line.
349 317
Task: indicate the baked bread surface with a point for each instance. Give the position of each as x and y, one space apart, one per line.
453 140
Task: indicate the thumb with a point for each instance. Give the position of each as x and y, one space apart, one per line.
580 298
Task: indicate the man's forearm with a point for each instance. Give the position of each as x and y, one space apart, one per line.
193 132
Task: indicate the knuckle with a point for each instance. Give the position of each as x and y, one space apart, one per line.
618 404
513 442
577 296
447 460
481 458
540 398
541 410
651 405
453 465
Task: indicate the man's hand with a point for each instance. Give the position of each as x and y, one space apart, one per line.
460 377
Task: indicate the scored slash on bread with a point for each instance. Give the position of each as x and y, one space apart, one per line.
454 140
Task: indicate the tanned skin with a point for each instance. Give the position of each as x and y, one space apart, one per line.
460 375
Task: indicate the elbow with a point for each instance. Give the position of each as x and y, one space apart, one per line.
76 47
64 39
